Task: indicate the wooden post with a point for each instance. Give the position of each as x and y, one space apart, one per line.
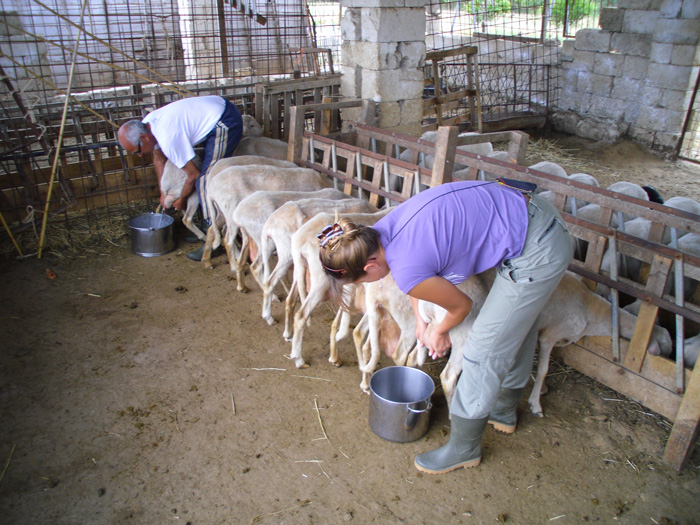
296 133
685 429
223 44
517 147
445 149
646 318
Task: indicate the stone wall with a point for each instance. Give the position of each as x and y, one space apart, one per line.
634 76
383 53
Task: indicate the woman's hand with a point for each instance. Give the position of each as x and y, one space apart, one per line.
439 344
421 326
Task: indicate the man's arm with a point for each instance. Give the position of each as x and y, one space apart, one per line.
192 176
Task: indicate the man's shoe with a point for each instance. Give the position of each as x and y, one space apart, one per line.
196 255
191 237
504 417
462 450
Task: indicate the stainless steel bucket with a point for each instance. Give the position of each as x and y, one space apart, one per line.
399 406
152 234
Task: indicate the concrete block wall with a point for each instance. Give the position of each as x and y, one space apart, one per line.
383 53
634 76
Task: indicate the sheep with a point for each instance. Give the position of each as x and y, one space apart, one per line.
426 161
264 146
305 252
572 205
253 212
688 243
171 184
684 204
246 160
173 180
632 190
388 315
277 235
653 194
233 184
572 312
551 168
250 216
251 128
463 174
691 346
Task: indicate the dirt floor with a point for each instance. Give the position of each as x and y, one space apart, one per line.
147 390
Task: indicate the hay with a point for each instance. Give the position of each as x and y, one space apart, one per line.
78 234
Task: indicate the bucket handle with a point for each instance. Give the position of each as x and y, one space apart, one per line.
426 409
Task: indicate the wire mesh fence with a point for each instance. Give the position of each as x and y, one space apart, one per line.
115 61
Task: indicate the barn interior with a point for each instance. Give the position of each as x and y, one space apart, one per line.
350 86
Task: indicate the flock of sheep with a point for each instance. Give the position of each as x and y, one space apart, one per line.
275 207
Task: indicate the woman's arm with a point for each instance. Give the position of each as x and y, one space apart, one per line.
445 294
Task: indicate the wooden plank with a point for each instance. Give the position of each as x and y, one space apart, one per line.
685 429
634 386
647 314
463 50
445 148
296 134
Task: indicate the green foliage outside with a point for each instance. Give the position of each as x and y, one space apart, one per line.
487 9
484 9
578 9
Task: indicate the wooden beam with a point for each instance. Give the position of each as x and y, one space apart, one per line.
685 429
445 149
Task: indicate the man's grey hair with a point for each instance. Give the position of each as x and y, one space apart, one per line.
133 129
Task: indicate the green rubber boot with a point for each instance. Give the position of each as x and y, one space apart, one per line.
196 255
191 237
462 450
504 417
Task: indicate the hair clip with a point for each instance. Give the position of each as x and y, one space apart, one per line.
341 272
329 232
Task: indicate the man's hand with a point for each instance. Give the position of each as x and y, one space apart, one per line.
180 204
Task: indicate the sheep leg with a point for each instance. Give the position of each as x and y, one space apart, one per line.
366 351
188 219
289 307
313 299
542 368
268 287
238 265
206 254
339 329
450 375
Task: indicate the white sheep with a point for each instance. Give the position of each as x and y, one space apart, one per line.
250 216
171 184
246 160
572 205
263 146
426 161
277 236
251 127
233 184
572 312
173 181
305 252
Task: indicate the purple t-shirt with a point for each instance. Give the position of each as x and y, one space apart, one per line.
453 230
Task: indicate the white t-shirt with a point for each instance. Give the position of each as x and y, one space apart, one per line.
182 124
